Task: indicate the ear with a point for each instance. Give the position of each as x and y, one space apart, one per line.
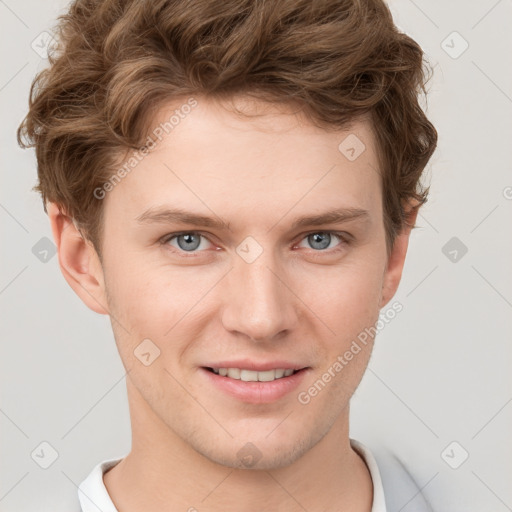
396 260
78 260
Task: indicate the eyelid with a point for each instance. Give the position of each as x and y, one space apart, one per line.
167 238
341 234
345 239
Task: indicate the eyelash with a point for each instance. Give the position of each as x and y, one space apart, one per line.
345 240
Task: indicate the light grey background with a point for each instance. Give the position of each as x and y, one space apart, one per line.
440 371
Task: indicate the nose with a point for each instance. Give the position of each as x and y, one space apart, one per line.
258 301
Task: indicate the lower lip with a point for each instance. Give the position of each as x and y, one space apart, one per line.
256 392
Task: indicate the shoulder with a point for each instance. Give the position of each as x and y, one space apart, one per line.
92 493
393 479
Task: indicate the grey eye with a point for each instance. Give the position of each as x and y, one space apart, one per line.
188 241
319 240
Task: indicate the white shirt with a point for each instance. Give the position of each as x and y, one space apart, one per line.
93 495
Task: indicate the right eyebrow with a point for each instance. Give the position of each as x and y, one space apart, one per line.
177 215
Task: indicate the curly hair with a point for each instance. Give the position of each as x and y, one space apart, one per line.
115 62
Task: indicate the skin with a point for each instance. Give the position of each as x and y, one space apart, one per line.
295 302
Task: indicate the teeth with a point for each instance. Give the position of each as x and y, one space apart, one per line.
233 373
253 376
267 376
248 376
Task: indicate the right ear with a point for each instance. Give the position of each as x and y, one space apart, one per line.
78 260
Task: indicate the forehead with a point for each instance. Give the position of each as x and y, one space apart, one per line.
206 156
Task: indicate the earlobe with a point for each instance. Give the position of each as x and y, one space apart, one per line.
396 260
78 261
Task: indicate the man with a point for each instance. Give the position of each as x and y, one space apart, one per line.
234 184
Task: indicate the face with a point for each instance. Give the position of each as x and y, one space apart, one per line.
258 282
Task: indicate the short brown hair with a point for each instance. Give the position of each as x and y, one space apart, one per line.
116 61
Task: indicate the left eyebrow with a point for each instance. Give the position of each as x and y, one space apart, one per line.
170 215
336 216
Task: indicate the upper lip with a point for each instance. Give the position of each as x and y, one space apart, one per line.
262 366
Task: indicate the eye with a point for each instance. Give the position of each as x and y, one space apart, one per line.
188 241
321 240
194 242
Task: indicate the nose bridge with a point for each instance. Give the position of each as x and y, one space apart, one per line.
259 304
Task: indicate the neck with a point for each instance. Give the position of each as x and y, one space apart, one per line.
164 473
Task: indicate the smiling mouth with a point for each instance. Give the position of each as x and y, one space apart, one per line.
252 375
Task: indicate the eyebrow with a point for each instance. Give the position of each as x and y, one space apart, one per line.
163 215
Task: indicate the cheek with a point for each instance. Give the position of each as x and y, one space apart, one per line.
349 307
345 298
155 300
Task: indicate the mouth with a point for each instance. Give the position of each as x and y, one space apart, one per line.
261 386
254 382
246 375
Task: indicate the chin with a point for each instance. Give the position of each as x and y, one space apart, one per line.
260 454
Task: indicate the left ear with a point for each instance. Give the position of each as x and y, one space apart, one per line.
396 260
